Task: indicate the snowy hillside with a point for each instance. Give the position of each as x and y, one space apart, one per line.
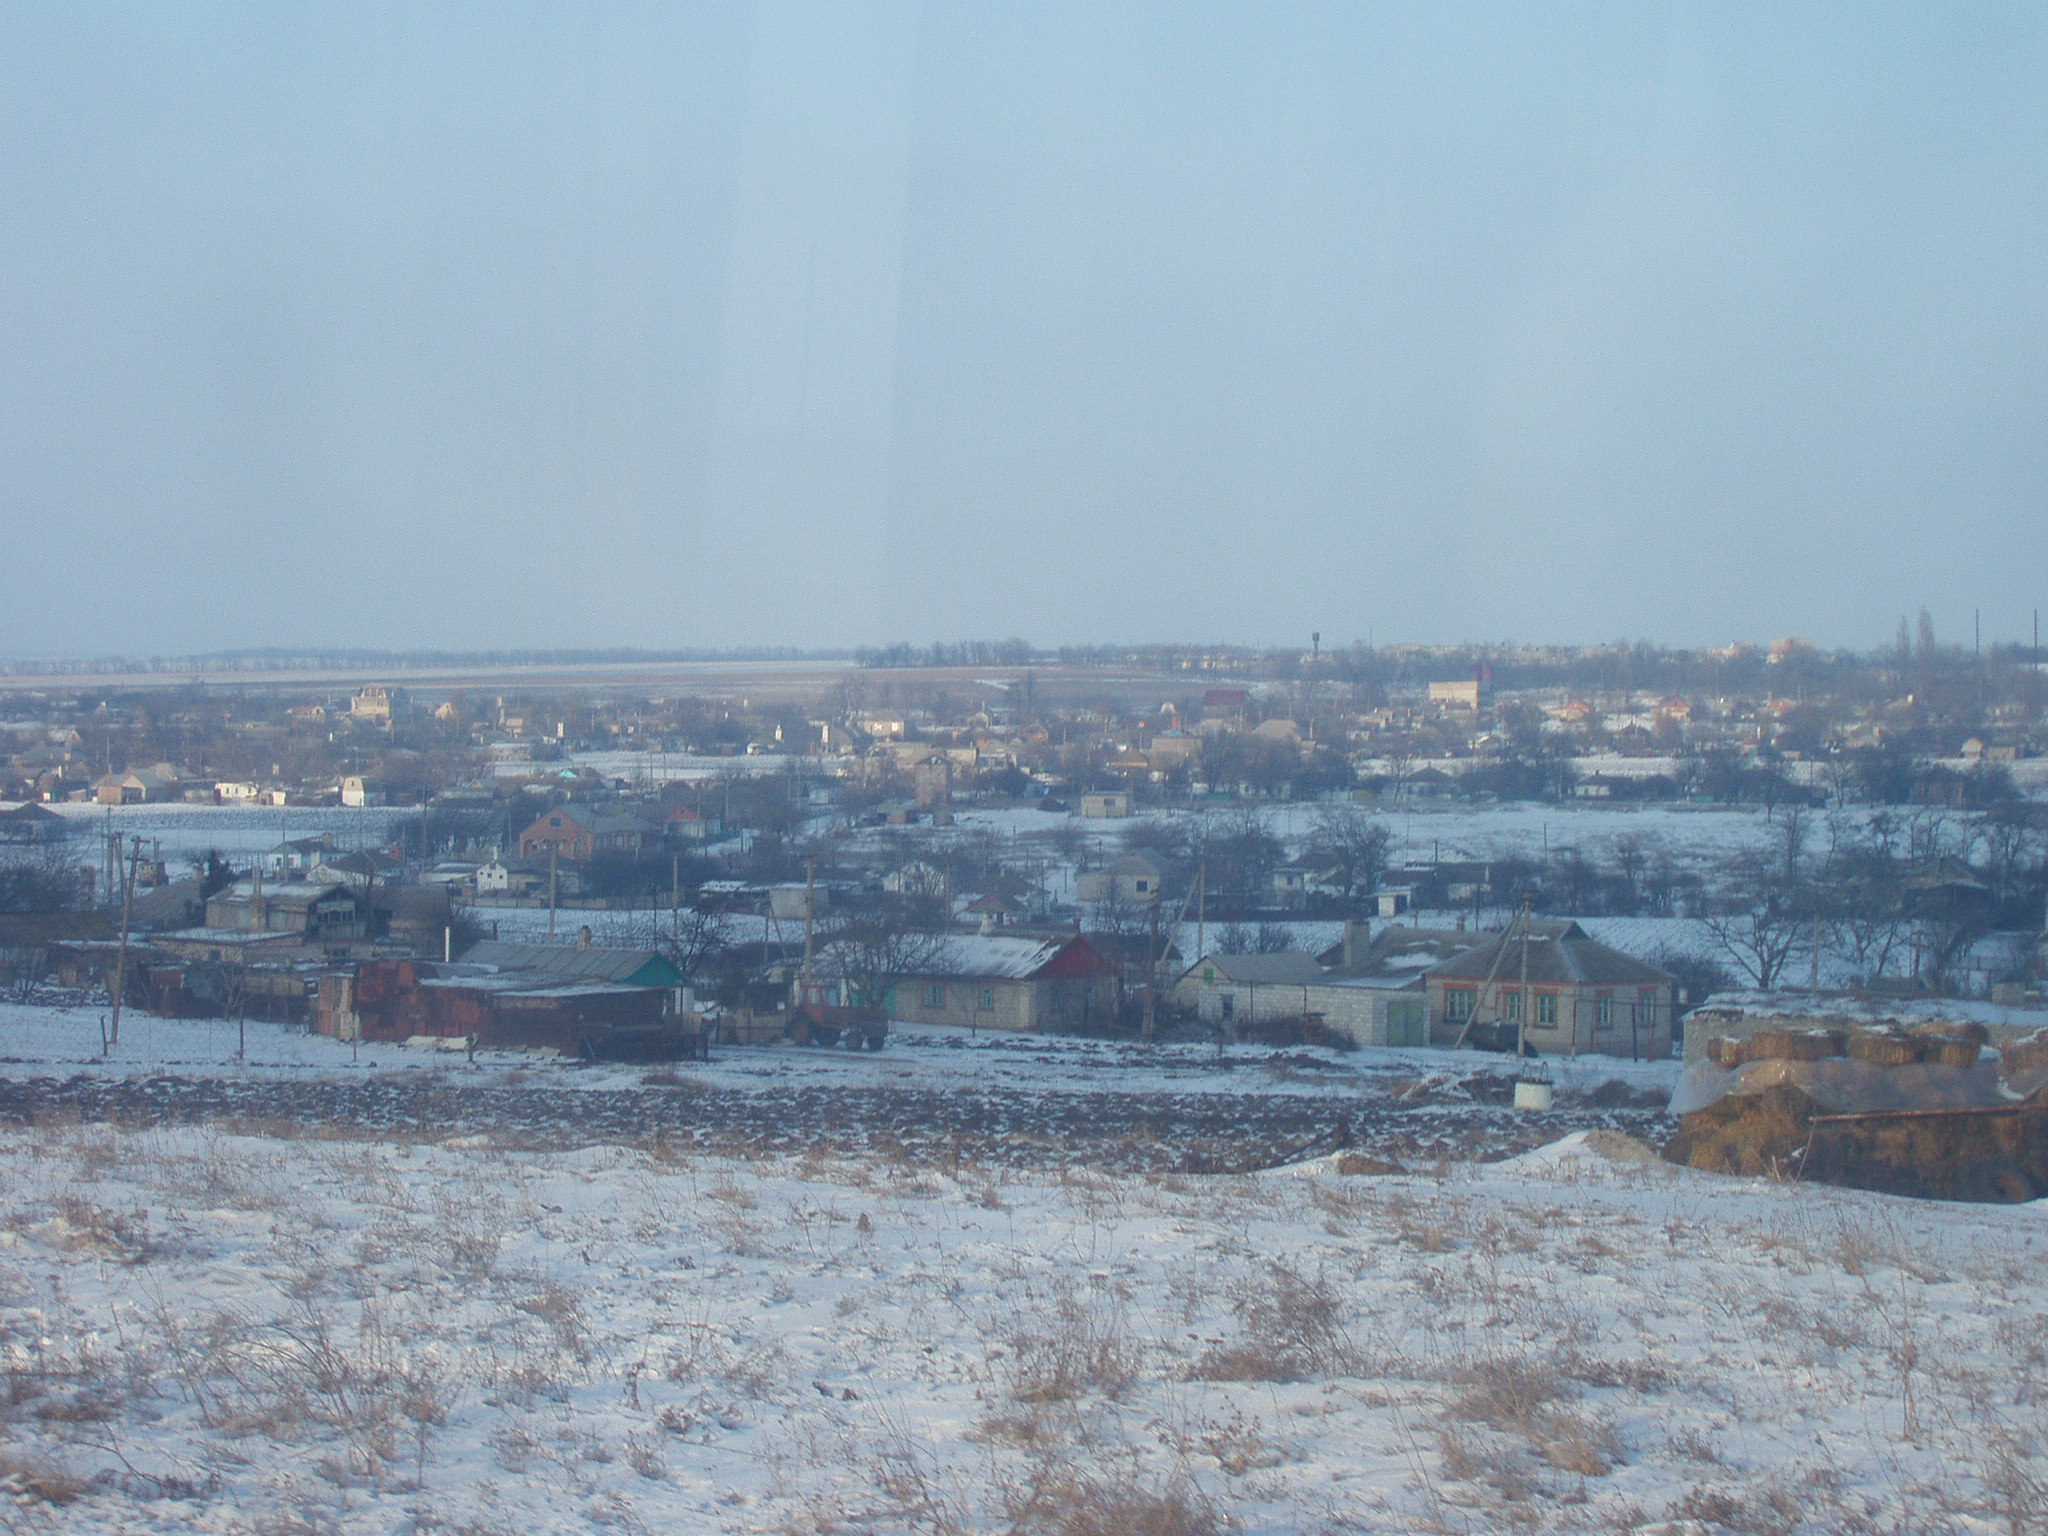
233 1333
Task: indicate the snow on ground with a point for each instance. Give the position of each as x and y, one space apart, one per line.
187 831
655 768
220 1333
37 1040
1698 836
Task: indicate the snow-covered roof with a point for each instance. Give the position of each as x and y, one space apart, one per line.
994 956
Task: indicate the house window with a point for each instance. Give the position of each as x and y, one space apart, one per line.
1603 1013
935 996
1546 1009
554 821
1458 1004
1230 1005
1143 886
1646 1006
1514 1007
987 1000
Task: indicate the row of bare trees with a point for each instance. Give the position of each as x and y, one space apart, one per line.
1885 896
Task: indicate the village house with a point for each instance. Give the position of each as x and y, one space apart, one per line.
359 790
993 981
376 704
313 913
575 1000
578 832
1133 880
359 870
139 786
296 855
30 823
685 824
1568 993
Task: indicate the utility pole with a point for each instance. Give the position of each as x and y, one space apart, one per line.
1152 973
1522 1002
553 850
810 913
121 954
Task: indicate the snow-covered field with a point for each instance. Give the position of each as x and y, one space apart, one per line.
187 831
228 1333
1694 837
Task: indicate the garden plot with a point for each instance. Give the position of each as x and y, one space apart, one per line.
1022 1101
234 1333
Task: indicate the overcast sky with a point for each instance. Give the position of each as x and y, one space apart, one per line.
824 324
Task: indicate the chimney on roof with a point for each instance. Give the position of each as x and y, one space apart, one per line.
1357 934
583 937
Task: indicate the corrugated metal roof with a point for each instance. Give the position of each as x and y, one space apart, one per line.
994 956
561 960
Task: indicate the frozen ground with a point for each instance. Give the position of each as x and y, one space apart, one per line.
230 1333
1014 1101
187 831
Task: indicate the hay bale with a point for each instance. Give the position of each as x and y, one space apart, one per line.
2027 1051
1953 1029
1744 1133
1725 1051
1794 1045
1951 1052
1885 1047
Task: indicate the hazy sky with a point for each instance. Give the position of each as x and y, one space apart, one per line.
817 324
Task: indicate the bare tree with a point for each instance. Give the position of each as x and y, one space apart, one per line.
1353 842
692 939
869 946
1768 907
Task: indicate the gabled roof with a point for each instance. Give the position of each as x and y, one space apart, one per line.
1291 968
291 895
1003 957
597 822
566 962
1557 954
1400 950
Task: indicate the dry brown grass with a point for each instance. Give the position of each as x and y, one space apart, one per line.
1073 1343
37 1480
1061 1501
1291 1327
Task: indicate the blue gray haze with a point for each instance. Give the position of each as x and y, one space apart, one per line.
822 324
